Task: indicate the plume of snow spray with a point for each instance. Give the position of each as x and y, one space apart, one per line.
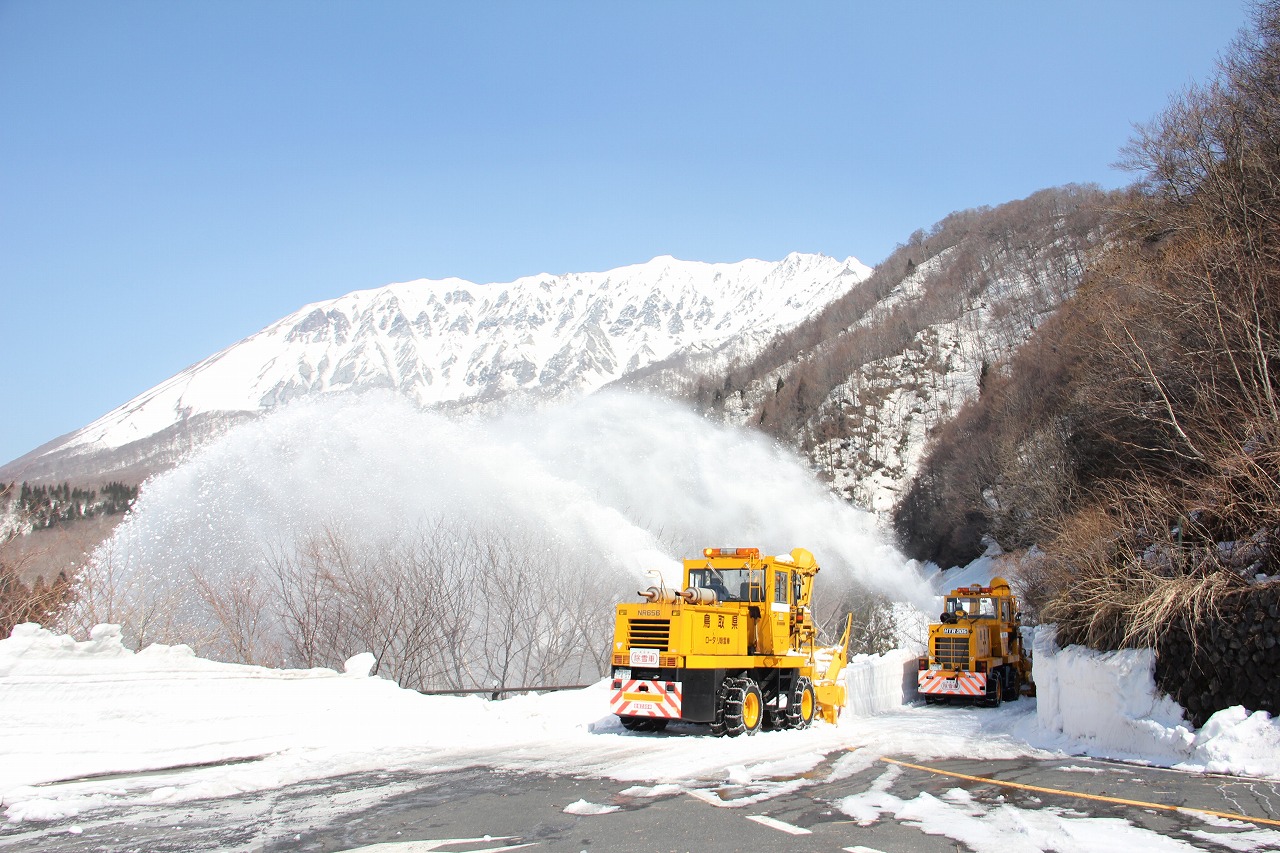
691 484
634 482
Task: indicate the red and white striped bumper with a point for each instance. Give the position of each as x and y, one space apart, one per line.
635 698
936 683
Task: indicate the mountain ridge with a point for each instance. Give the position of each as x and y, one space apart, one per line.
450 341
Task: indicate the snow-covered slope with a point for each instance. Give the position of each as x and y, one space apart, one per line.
453 340
913 344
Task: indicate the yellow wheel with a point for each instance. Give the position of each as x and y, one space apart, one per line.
742 708
808 703
751 709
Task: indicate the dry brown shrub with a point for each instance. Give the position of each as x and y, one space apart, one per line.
1133 607
1122 581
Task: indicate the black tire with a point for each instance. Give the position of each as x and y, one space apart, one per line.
743 707
1012 684
720 725
803 705
733 695
996 695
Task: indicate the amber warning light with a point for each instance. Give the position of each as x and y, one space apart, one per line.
731 552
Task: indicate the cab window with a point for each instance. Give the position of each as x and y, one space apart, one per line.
980 607
728 584
782 587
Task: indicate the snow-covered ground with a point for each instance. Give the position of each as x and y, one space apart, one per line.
95 717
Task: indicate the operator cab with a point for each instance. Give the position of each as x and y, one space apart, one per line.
976 606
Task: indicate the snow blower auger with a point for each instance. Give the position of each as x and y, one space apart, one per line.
736 649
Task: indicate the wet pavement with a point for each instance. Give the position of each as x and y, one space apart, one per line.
838 805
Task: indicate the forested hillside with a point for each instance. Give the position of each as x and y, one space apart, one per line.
1135 440
40 506
860 386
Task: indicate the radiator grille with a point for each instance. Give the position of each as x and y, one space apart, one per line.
668 661
664 661
951 652
649 634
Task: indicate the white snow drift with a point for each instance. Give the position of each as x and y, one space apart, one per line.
83 709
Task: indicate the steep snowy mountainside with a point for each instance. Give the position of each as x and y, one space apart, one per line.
443 341
860 387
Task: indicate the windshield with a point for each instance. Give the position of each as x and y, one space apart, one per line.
972 607
728 584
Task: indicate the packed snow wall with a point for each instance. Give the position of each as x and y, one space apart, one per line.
1108 704
1108 699
878 683
1228 659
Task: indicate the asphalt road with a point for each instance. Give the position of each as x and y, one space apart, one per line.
479 809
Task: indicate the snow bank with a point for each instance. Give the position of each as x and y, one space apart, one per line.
1107 704
1107 699
180 727
176 727
878 683
111 710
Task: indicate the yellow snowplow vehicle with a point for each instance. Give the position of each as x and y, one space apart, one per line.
736 648
975 649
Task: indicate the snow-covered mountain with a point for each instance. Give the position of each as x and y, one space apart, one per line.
447 341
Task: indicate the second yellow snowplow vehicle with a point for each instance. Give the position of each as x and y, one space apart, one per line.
736 648
975 649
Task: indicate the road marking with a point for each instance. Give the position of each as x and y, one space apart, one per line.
437 844
858 848
774 823
1099 797
707 797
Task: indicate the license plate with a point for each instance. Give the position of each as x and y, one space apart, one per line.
951 683
644 657
624 674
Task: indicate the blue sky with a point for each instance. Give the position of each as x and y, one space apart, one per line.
176 176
